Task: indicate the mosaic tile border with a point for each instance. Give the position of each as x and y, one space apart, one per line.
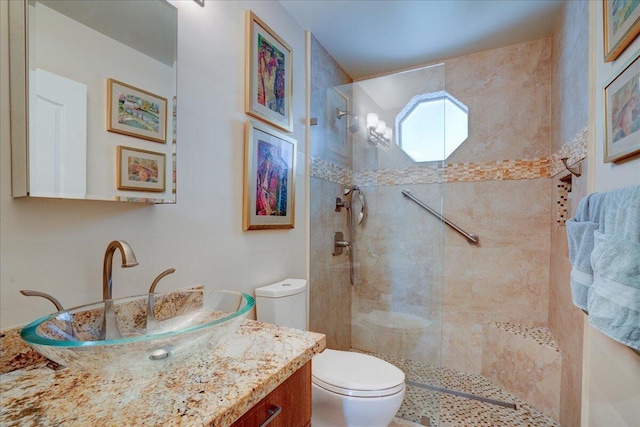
575 150
434 174
457 172
327 171
499 170
540 334
562 202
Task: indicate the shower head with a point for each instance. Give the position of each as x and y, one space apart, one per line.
355 124
340 114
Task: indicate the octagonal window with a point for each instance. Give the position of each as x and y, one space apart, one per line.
431 126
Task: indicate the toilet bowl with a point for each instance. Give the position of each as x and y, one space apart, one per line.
348 389
354 390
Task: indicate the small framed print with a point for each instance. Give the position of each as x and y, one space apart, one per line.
268 82
140 170
621 25
622 113
136 112
269 172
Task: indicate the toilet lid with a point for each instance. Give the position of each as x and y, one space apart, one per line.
355 374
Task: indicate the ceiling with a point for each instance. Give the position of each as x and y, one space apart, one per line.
373 37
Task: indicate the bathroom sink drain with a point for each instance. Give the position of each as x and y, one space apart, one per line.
160 353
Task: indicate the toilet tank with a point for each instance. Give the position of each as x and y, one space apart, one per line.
283 303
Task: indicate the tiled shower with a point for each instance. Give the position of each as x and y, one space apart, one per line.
422 292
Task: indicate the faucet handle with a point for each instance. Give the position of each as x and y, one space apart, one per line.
66 317
340 204
152 323
160 276
55 302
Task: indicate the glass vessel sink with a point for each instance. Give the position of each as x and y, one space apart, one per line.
141 334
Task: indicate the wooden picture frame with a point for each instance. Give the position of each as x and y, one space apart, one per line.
622 112
621 26
269 178
140 170
135 112
268 78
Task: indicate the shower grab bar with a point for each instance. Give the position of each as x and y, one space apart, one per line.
472 238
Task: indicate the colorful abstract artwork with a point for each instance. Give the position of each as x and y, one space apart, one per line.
268 75
271 76
272 179
269 190
140 170
135 112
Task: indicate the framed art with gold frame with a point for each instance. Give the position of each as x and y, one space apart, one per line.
268 80
622 112
136 112
621 25
269 174
140 170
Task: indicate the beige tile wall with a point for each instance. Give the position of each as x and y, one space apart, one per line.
570 117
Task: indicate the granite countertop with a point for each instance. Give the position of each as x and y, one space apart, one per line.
214 390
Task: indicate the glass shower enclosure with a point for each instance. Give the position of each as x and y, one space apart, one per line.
387 138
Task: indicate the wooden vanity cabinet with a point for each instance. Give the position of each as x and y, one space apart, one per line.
293 397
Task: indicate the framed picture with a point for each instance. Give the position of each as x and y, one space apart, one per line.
268 82
269 172
140 170
621 25
136 112
622 112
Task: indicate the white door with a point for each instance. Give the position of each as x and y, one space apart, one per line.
57 136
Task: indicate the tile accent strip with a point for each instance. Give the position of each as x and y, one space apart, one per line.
562 204
575 150
434 173
327 171
456 172
498 170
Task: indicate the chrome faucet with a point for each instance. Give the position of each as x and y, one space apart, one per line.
109 324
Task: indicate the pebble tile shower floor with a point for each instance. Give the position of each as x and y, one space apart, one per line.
446 410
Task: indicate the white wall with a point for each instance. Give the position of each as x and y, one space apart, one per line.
57 246
611 371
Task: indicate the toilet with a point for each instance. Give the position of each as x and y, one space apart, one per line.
348 389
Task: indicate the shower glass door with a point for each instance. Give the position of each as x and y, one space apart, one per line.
398 251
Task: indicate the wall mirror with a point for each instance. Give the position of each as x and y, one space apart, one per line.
93 99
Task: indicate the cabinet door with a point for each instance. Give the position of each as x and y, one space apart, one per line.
292 397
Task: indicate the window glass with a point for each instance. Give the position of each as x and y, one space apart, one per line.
432 126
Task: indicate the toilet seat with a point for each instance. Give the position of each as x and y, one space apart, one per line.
356 374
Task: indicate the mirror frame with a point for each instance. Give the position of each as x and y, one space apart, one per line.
18 97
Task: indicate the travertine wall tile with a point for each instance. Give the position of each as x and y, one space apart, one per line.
524 361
